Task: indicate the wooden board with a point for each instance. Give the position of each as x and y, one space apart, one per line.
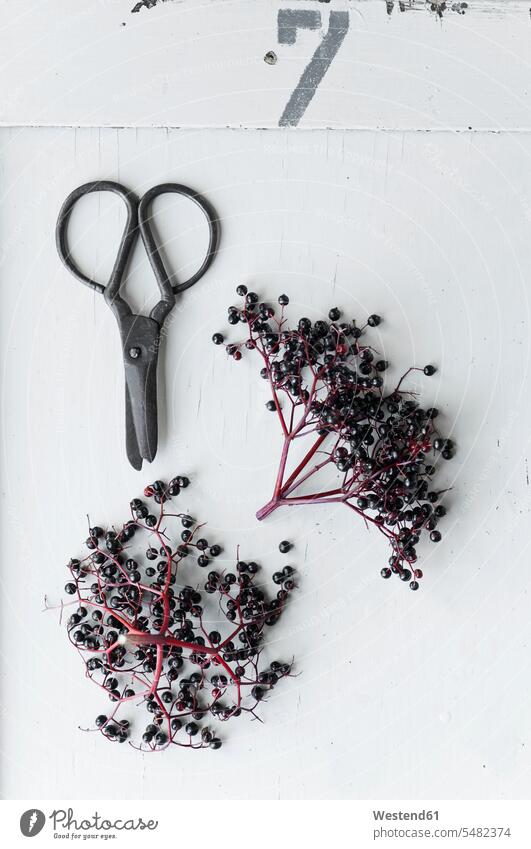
201 63
400 694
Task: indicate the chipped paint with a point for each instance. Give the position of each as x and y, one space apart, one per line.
408 70
436 7
146 4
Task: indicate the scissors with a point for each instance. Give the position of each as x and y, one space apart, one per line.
140 335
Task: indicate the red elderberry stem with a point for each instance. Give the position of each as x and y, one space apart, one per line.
281 487
312 471
317 497
304 462
380 441
129 631
162 640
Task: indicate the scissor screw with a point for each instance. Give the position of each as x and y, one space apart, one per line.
134 353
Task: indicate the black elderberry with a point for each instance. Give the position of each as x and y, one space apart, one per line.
429 370
168 606
386 437
285 546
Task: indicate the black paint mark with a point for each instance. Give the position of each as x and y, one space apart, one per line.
438 7
289 21
146 4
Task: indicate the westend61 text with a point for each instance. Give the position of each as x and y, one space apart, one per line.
406 815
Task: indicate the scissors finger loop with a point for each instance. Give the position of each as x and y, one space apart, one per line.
61 239
163 278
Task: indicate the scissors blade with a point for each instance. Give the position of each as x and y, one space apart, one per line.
131 442
140 339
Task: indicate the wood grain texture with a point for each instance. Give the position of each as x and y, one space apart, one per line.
401 695
201 63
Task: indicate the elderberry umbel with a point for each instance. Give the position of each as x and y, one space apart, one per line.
327 388
172 639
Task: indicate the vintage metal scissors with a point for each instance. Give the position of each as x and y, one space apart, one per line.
140 335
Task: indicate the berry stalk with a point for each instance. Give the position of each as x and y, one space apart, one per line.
151 641
327 388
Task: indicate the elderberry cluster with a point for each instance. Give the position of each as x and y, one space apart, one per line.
327 387
157 644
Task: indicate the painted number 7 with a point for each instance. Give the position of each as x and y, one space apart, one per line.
291 20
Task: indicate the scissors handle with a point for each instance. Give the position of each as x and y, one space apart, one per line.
150 243
126 243
138 218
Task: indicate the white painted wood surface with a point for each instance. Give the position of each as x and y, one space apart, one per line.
201 63
400 695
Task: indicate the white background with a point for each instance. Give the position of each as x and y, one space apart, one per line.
400 694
